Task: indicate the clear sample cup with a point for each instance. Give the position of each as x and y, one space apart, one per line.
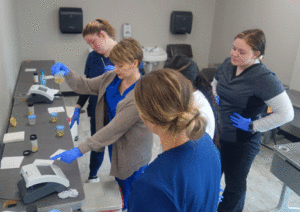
60 130
59 77
34 143
31 119
53 118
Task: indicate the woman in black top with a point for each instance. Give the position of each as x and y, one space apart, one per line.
245 88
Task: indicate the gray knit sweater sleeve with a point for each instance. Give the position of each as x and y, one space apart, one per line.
283 112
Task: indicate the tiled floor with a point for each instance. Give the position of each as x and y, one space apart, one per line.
264 188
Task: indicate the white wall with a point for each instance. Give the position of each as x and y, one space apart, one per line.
9 59
30 31
149 19
279 19
295 81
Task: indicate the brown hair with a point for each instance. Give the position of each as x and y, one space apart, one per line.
126 51
254 38
165 98
95 27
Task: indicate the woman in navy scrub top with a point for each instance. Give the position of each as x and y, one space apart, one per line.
186 176
97 63
245 88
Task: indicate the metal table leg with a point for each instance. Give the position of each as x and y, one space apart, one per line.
284 200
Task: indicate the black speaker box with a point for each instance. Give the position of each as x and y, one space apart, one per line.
70 20
181 22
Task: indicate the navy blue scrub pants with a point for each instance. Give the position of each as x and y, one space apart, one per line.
236 159
96 160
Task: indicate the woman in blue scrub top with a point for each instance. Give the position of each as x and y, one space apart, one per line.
186 176
118 124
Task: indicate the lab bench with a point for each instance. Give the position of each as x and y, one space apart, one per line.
48 143
286 167
293 127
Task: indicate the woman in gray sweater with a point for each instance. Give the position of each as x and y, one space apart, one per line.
117 117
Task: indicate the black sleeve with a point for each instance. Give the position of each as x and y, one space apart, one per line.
82 100
221 68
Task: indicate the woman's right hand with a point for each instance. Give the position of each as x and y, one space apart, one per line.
109 68
59 67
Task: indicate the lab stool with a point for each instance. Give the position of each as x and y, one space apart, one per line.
74 129
102 196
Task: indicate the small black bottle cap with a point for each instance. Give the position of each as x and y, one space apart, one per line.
30 104
26 152
31 208
35 74
33 137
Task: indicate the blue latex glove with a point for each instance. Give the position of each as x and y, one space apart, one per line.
240 122
109 68
75 117
220 195
217 99
141 65
68 156
43 81
58 67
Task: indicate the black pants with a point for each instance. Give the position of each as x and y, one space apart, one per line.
96 158
236 159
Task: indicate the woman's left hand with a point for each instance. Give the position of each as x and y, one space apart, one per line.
240 122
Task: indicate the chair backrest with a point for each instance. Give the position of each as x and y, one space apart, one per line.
174 49
209 73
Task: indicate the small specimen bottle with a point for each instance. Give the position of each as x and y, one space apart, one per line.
60 130
53 118
34 143
35 78
30 109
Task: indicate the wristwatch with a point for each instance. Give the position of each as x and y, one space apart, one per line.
251 128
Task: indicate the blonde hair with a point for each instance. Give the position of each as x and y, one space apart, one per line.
165 98
126 51
95 27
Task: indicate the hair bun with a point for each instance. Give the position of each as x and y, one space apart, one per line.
189 117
